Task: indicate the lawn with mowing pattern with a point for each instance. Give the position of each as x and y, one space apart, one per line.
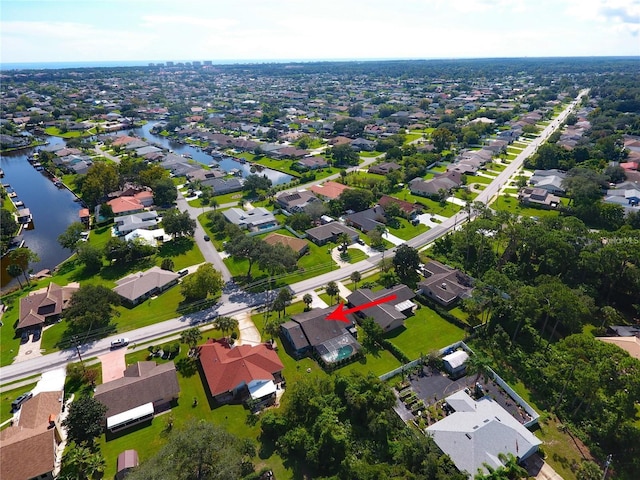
424 332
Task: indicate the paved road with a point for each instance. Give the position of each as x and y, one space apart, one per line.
235 301
209 252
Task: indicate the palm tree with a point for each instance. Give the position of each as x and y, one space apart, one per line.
307 298
225 324
214 203
332 290
191 337
355 278
478 363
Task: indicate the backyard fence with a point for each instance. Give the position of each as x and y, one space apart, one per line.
494 376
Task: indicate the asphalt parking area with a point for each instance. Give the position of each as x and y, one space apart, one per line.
432 386
113 365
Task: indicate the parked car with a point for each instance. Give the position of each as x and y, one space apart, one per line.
36 334
120 342
182 273
24 337
206 238
360 241
17 403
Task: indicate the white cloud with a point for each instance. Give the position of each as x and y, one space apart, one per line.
618 15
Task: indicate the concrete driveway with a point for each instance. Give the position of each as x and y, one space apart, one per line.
425 219
113 365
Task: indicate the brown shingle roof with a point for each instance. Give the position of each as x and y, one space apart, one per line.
141 384
298 245
27 449
37 307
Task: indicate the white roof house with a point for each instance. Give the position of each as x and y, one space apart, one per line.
478 432
254 218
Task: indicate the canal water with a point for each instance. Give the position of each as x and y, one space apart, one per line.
53 209
226 163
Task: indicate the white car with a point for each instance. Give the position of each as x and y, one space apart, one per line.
120 342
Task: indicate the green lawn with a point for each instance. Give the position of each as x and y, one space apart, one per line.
520 145
471 179
283 165
410 137
424 332
7 397
448 210
356 255
512 205
315 262
147 439
369 154
439 168
56 132
405 230
378 363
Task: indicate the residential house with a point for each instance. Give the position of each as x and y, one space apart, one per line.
624 330
313 163
144 389
629 344
329 190
389 315
362 144
44 306
408 209
125 206
311 333
368 219
258 218
538 197
85 216
432 188
478 432
288 152
444 284
329 233
221 186
549 180
28 448
128 223
298 245
294 202
384 168
137 287
241 372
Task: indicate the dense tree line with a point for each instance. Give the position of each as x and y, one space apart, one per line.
538 284
344 427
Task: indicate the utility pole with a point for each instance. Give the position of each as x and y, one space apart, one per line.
606 466
76 344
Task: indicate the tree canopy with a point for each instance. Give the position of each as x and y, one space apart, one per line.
85 420
203 282
91 308
199 450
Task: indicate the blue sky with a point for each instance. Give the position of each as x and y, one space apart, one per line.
159 30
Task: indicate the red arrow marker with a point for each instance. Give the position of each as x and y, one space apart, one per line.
340 314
